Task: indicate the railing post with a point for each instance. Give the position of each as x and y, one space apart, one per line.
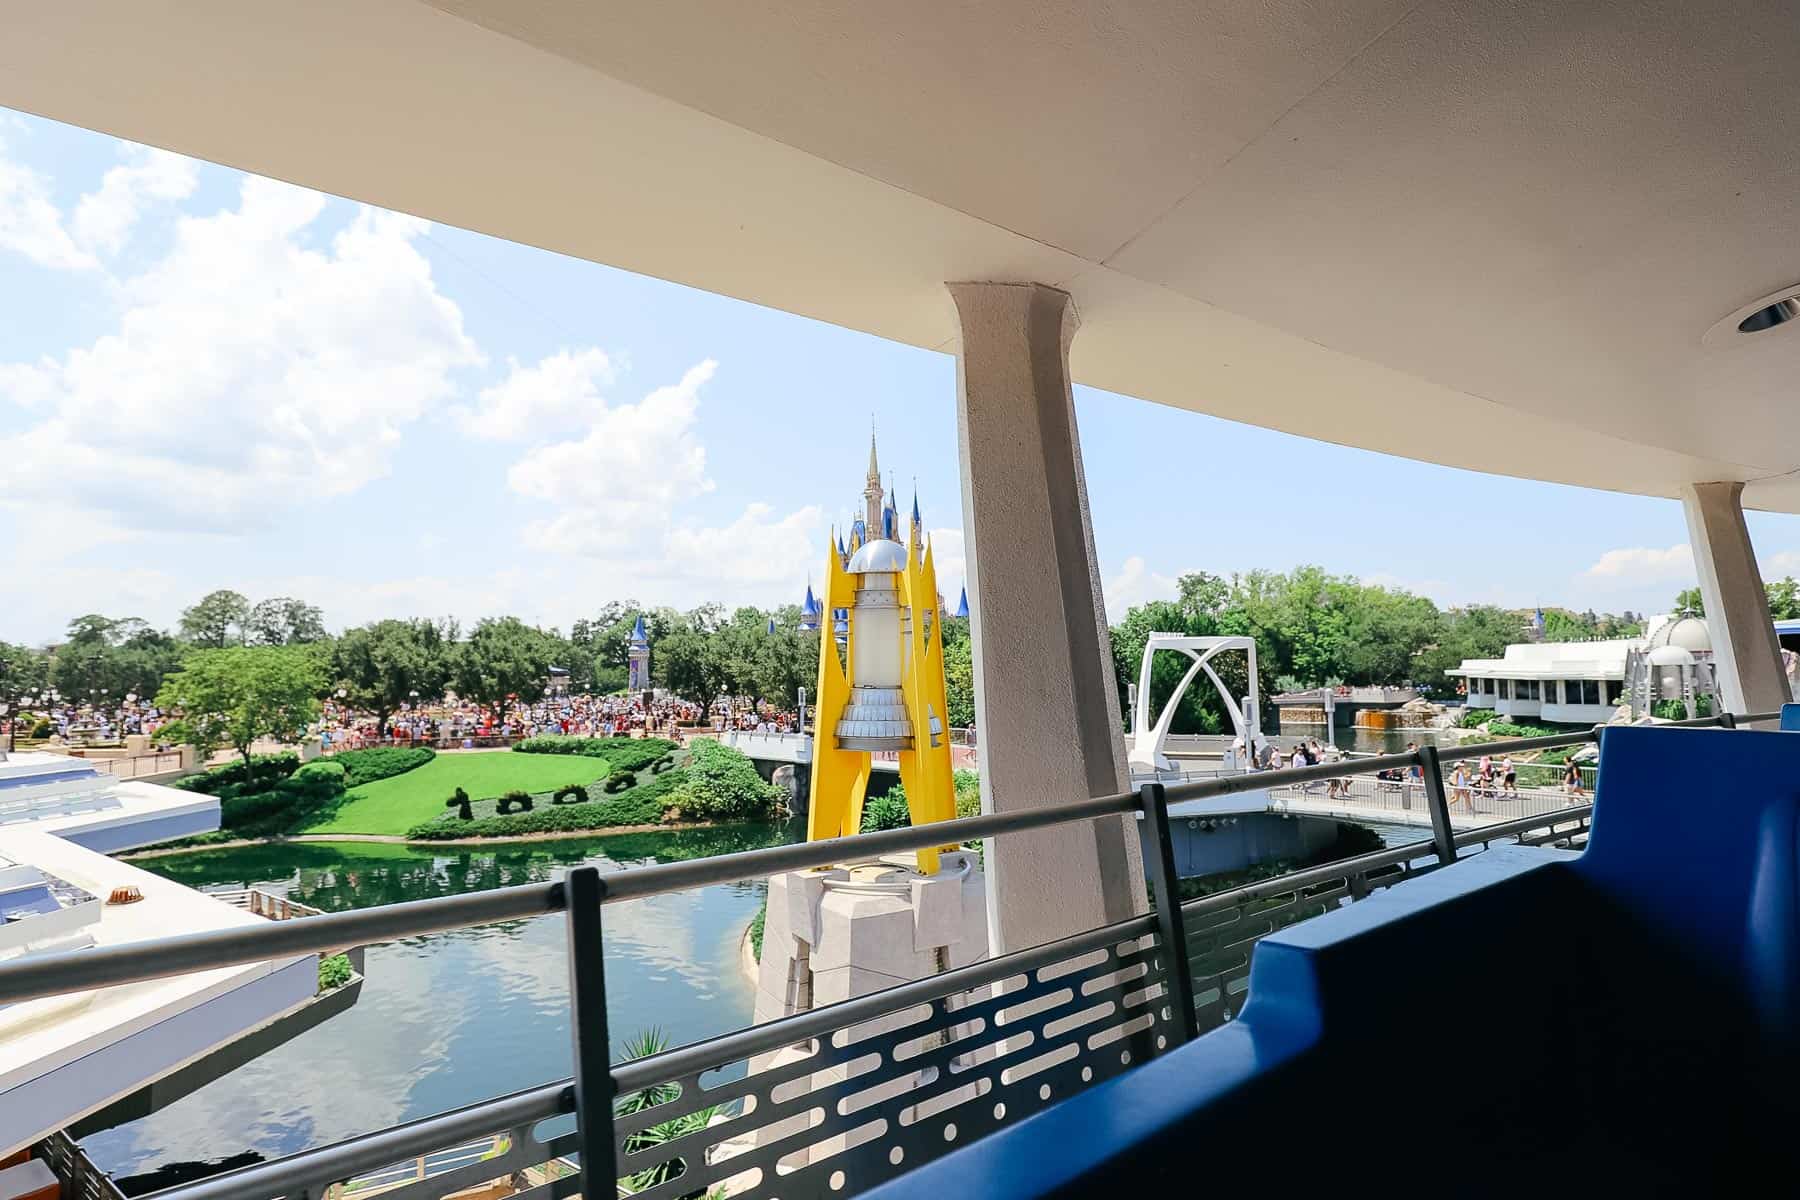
1178 974
583 891
1441 833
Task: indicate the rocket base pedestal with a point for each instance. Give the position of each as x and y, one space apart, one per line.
837 933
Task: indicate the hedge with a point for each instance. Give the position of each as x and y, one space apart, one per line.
381 762
642 805
264 772
1476 716
620 753
280 809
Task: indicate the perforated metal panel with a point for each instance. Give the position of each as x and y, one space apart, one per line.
840 1113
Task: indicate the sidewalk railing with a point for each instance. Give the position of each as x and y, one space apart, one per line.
836 1099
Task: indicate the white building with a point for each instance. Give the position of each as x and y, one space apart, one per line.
63 1057
1583 683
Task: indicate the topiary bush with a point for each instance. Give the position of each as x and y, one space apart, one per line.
666 762
514 800
572 793
641 805
619 781
459 800
621 753
381 762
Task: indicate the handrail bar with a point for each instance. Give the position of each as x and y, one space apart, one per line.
383 1147
52 974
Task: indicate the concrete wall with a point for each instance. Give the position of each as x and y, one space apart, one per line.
1234 843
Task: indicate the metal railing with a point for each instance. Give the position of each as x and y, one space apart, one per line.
839 1098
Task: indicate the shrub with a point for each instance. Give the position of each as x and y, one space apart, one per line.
572 793
1477 716
1507 729
512 800
620 753
756 929
662 764
722 785
618 782
459 800
334 972
264 772
381 762
283 807
43 728
886 812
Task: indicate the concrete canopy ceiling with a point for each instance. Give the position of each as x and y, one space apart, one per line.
1484 233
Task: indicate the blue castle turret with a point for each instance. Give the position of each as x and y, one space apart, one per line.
810 611
962 605
637 658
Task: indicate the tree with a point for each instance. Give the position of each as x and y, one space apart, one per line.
503 658
283 621
786 660
23 671
104 657
1478 631
689 663
220 619
959 674
380 665
1784 599
240 694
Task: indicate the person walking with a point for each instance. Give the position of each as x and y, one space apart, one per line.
1459 786
1572 778
1509 776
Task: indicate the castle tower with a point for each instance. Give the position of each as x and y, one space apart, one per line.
872 495
637 658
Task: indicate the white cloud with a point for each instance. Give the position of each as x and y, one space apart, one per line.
949 554
1644 564
247 369
635 462
756 549
551 396
1136 584
106 217
30 222
32 225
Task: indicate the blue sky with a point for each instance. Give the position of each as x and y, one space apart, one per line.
209 380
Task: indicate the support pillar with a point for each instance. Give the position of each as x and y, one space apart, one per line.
1045 698
1746 654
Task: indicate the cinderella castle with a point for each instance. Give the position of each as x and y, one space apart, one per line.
880 518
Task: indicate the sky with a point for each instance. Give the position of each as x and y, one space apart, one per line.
213 380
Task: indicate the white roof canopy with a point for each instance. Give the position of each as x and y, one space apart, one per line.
1485 234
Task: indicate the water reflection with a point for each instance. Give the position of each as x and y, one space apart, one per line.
451 1018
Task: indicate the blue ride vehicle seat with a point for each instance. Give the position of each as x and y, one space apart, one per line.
1524 1022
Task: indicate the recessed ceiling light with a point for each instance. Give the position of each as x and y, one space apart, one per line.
1778 313
1758 316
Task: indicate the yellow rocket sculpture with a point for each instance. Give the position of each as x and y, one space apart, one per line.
886 691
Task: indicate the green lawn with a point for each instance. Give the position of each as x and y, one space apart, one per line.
397 804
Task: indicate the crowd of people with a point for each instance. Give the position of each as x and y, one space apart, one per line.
451 722
1488 777
89 721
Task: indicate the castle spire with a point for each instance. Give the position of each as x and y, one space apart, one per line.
873 502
